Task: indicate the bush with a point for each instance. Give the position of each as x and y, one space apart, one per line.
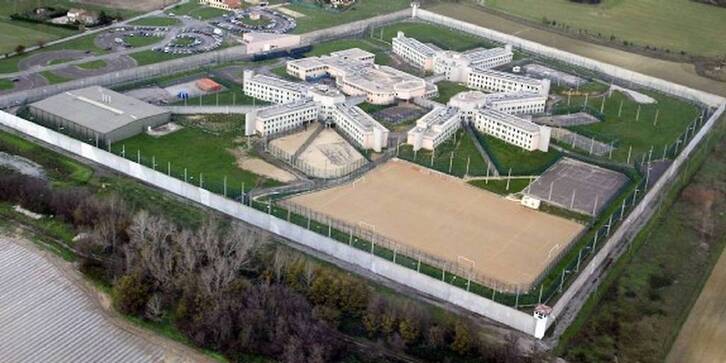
131 294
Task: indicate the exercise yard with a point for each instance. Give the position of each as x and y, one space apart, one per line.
447 218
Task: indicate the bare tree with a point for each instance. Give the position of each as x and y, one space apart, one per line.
150 242
226 254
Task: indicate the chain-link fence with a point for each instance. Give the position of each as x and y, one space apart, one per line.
327 172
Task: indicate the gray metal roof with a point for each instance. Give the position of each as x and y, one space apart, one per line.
98 108
44 317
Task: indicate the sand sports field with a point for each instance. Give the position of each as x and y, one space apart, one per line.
291 143
702 335
446 217
330 150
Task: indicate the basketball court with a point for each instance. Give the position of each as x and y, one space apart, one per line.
445 217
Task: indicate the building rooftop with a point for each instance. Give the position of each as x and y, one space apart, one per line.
281 83
422 48
508 76
353 53
516 96
479 55
512 120
98 108
359 116
281 109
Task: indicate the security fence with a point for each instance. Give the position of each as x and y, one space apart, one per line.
327 172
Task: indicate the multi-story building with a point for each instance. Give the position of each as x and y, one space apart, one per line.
496 81
356 74
272 89
434 128
512 129
455 66
519 103
280 118
366 132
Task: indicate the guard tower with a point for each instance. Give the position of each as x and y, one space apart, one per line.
542 314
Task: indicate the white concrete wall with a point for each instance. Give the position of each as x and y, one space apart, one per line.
615 71
428 285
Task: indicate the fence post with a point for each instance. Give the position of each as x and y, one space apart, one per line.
330 229
418 265
594 241
579 257
288 215
541 290
562 280
516 300
350 238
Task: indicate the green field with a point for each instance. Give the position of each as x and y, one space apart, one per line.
520 161
136 42
447 90
97 64
625 131
197 11
155 21
10 65
318 18
150 57
671 24
444 38
462 149
13 32
202 151
53 78
325 48
638 311
500 186
6 84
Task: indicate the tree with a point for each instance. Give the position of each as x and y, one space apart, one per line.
19 49
130 294
462 342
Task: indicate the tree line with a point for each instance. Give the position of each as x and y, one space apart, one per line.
229 289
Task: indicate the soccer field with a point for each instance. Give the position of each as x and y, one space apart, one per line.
447 218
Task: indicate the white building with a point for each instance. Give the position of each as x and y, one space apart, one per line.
360 127
264 42
434 128
280 118
356 74
468 102
512 129
454 65
272 89
519 103
496 81
222 4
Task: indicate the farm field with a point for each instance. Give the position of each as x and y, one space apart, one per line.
201 150
701 336
671 24
445 217
10 65
196 10
682 73
318 18
637 314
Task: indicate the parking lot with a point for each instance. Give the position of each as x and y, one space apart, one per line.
193 41
118 38
256 20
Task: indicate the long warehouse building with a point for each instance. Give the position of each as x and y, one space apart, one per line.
97 114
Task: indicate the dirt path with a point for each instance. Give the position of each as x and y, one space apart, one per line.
172 351
682 73
701 337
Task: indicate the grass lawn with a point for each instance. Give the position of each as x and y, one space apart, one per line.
197 11
6 84
500 186
673 117
520 161
10 65
672 24
229 97
319 18
637 313
14 33
155 21
447 90
150 57
463 151
136 42
97 64
53 78
444 38
198 150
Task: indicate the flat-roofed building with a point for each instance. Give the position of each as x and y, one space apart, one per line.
98 114
356 75
496 81
280 118
361 128
414 52
326 98
512 129
468 102
272 89
434 128
518 103
222 4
